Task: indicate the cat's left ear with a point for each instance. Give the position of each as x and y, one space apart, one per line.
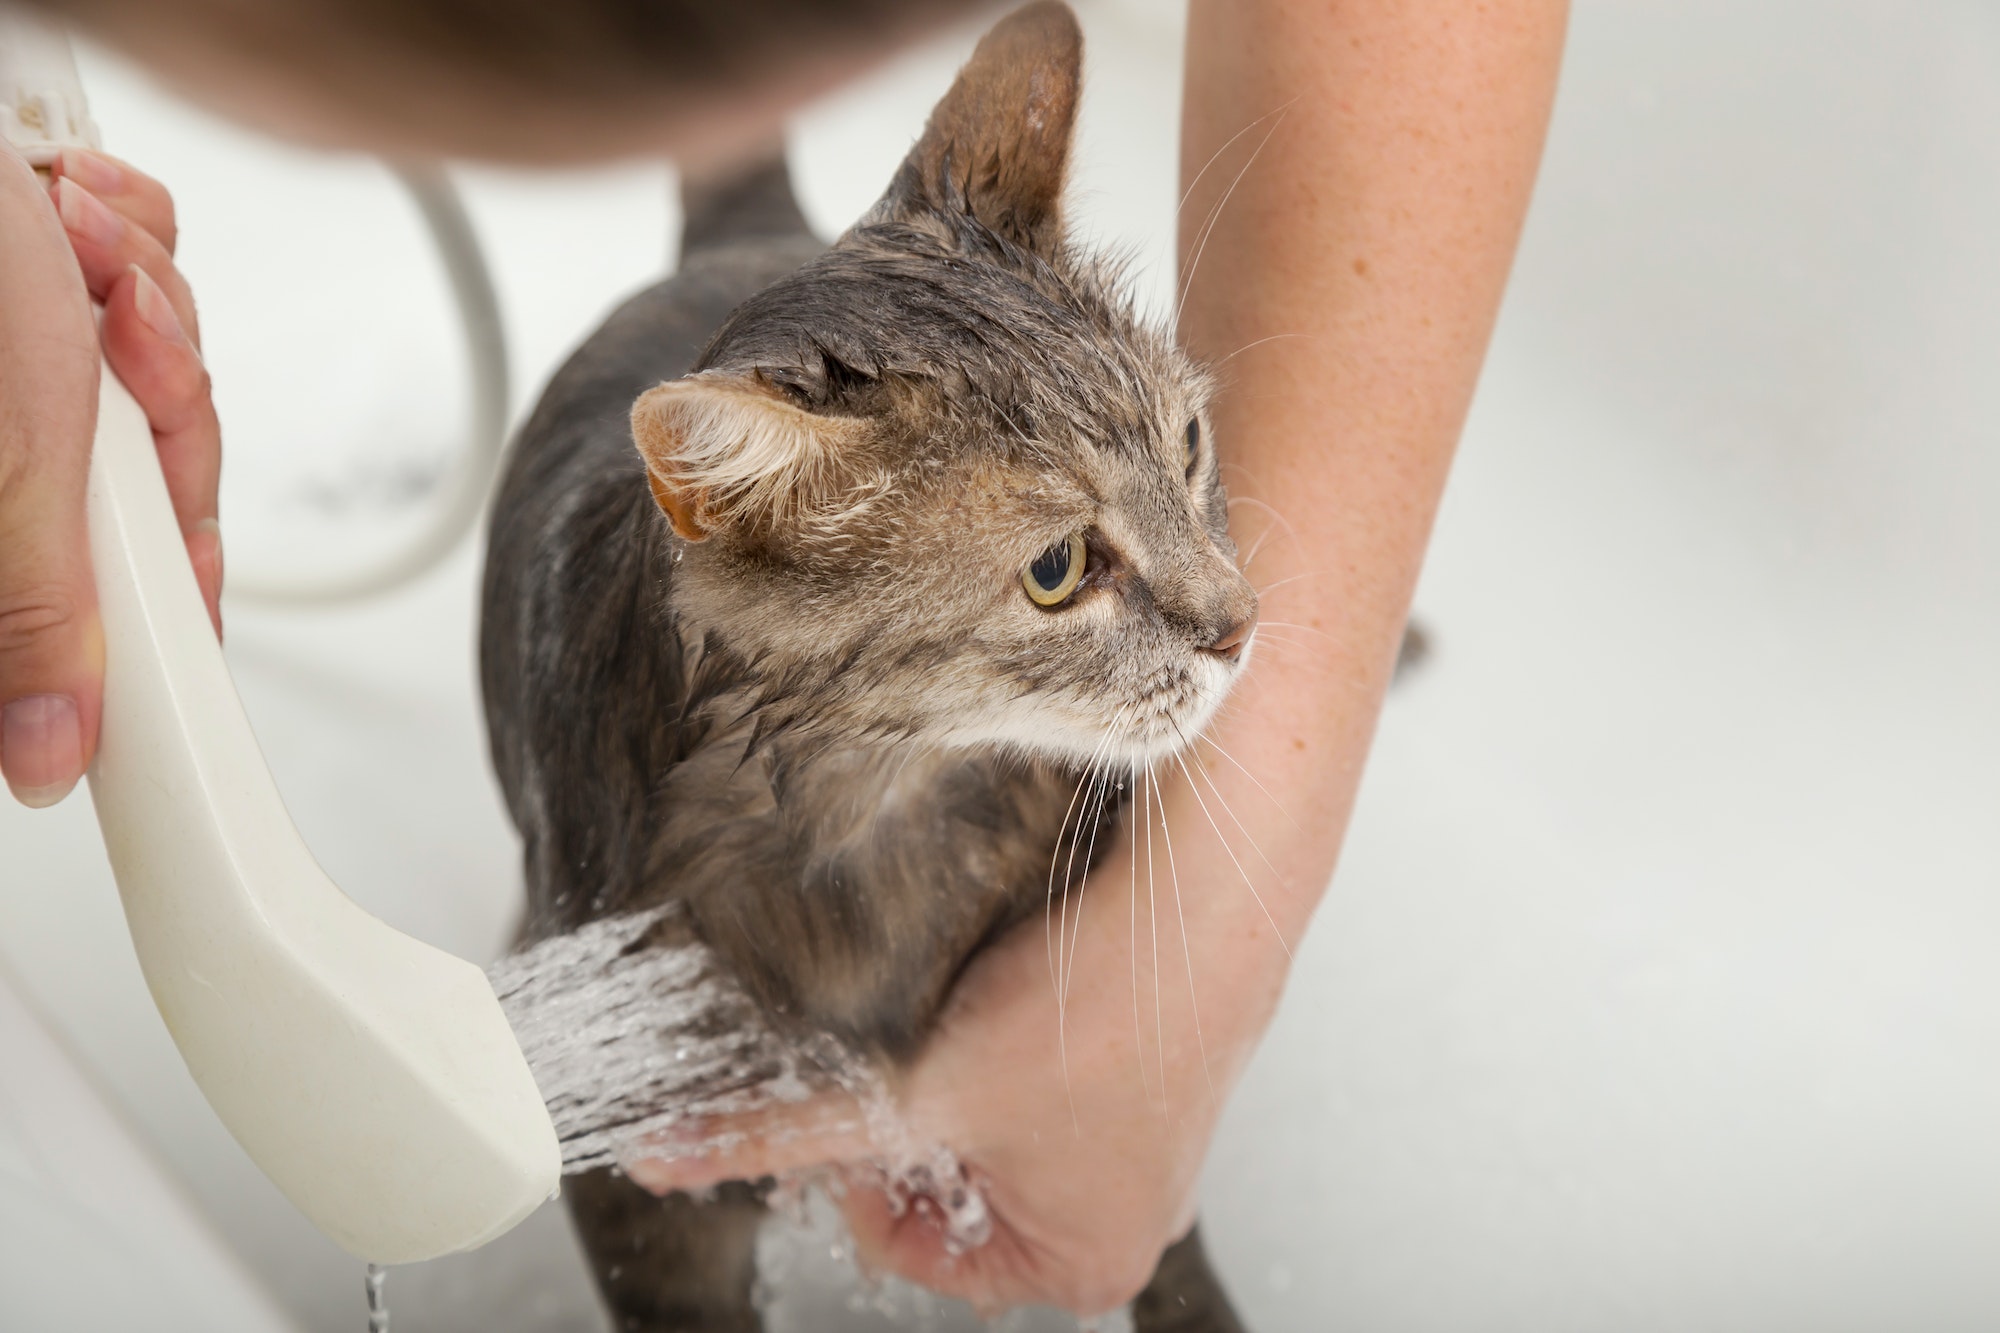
998 145
731 450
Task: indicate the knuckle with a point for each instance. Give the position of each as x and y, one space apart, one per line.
187 385
30 616
196 397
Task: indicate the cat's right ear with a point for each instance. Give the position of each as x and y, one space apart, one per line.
724 450
998 145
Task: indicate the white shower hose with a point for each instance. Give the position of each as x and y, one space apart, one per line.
39 91
462 492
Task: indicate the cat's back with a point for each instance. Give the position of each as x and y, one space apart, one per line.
572 549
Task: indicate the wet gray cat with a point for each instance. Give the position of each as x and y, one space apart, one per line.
917 526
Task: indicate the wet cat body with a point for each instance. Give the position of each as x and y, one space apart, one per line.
922 533
840 860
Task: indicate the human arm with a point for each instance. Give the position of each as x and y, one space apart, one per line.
1347 291
99 228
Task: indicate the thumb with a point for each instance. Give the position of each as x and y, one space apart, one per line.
51 649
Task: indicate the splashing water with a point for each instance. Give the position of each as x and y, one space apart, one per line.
378 1305
638 1039
809 1280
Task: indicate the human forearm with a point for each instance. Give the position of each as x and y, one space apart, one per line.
1343 263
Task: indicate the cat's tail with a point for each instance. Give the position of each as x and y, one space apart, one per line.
750 199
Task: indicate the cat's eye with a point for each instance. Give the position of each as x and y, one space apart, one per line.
1053 575
1193 444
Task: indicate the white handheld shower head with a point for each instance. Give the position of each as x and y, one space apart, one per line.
41 100
372 1077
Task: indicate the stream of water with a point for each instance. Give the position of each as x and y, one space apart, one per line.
378 1304
638 1039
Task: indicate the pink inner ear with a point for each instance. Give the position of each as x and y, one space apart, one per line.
682 508
654 434
725 449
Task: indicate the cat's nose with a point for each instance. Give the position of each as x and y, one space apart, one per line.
1228 645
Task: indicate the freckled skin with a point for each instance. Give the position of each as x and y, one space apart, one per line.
837 731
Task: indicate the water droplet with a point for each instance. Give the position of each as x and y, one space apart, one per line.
378 1304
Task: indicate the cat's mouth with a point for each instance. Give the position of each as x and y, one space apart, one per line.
1171 710
1130 723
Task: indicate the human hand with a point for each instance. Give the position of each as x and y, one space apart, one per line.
99 229
1087 1153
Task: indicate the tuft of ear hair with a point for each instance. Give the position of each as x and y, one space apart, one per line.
730 450
997 146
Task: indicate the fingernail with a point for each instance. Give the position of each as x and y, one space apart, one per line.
91 171
84 214
154 308
41 748
204 545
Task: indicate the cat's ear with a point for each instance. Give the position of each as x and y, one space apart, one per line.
725 450
998 145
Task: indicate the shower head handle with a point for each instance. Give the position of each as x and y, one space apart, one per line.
371 1076
42 107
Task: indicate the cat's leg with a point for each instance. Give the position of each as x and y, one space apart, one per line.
1184 1295
673 1264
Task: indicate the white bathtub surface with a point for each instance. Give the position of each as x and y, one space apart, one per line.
1660 988
93 1234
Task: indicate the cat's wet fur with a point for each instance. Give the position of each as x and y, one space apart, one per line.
777 662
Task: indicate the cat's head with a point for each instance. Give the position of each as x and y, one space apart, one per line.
941 484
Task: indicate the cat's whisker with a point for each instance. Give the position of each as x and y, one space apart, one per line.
1250 838
1117 736
1153 921
1049 908
1303 629
1275 337
1132 947
1062 991
1278 522
1276 584
1280 641
1215 215
1076 926
1250 475
1187 951
1215 790
1076 933
1105 744
1216 746
1058 977
1224 840
1226 145
1276 515
1257 546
